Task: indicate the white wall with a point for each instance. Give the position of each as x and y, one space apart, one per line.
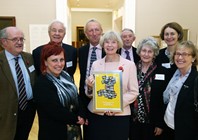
28 12
80 19
151 15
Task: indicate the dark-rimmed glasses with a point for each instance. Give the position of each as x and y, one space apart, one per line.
177 54
14 40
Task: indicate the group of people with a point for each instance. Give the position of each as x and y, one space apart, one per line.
157 86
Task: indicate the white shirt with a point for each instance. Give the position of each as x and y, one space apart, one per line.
123 54
98 56
26 76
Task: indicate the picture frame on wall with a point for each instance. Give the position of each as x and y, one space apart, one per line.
186 34
6 21
81 38
80 33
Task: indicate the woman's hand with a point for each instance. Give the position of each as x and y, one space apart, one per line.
158 131
90 81
109 113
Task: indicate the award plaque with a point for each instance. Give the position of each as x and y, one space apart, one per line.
107 91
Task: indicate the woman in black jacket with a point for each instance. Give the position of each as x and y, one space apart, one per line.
181 122
56 96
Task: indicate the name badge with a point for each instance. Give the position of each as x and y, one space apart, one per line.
159 77
69 64
31 68
166 65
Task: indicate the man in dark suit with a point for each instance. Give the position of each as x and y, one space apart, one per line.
56 33
93 32
128 37
15 120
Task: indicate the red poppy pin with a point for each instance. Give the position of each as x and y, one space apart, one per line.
121 68
27 62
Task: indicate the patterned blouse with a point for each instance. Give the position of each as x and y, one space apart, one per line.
141 107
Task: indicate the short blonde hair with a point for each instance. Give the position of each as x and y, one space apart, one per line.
112 35
188 44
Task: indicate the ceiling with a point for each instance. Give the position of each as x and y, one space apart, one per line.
98 4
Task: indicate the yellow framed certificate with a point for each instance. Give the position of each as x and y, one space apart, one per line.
107 91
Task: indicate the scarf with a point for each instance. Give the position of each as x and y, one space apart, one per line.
174 85
141 104
66 90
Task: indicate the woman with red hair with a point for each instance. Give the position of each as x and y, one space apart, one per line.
56 96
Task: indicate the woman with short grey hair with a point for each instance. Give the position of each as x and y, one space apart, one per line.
151 42
142 126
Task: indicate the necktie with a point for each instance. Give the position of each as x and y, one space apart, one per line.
93 58
127 55
21 86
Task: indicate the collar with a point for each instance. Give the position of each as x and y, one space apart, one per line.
98 47
10 56
130 50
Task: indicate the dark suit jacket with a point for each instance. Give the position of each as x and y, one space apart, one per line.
53 117
162 58
71 56
157 107
9 97
135 55
83 53
185 120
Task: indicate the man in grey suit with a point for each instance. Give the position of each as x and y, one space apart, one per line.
15 122
56 33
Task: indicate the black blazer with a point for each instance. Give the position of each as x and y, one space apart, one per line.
71 56
83 53
157 107
186 124
185 120
135 55
53 117
162 58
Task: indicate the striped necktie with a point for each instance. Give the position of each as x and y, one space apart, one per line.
127 55
93 58
21 86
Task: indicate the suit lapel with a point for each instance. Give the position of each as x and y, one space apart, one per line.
186 88
6 70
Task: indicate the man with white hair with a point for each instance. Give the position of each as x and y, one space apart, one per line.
57 31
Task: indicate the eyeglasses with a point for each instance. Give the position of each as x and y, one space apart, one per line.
14 40
182 54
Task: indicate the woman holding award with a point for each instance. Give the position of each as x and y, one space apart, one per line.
111 124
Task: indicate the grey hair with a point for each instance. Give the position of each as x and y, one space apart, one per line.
92 20
127 29
112 35
3 33
56 21
151 42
